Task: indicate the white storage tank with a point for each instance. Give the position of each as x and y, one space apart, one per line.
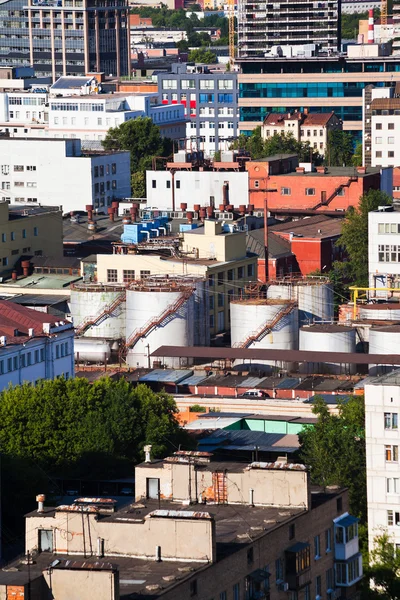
389 311
159 312
384 340
248 326
91 350
313 295
89 301
327 338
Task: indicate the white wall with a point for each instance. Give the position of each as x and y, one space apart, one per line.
378 271
385 140
196 187
378 400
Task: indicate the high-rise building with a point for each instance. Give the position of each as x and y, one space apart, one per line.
65 37
263 25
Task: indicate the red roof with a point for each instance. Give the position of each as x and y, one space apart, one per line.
16 317
278 119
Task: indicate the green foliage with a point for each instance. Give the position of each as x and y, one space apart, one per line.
276 144
197 408
384 569
202 56
339 151
357 156
143 140
334 448
350 24
68 425
217 155
138 184
354 238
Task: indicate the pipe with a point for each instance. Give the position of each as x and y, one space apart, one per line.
40 498
190 216
196 207
157 232
14 275
251 497
164 229
225 193
250 209
111 214
222 207
147 453
158 554
210 211
146 232
242 209
100 547
371 26
183 206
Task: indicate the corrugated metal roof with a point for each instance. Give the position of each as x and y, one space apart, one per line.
194 379
166 376
329 398
212 423
288 383
346 521
245 437
251 382
211 354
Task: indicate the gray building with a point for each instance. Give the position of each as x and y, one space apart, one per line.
288 22
65 37
211 104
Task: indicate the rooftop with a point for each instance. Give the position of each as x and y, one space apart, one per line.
392 378
14 317
319 226
277 246
38 281
334 172
278 119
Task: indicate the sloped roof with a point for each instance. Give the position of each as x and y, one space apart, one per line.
317 226
310 119
70 82
16 317
277 246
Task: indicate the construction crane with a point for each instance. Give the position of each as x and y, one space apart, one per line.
383 12
231 19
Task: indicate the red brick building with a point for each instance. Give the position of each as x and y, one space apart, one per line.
281 260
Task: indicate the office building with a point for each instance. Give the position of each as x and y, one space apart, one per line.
27 231
383 251
65 37
33 346
56 172
319 83
382 407
210 101
381 126
264 26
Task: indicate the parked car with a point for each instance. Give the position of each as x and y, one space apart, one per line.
255 394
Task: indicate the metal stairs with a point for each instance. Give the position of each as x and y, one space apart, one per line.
334 193
165 316
104 314
265 327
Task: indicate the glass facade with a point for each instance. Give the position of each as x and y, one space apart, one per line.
258 113
352 89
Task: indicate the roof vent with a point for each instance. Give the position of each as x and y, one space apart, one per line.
31 332
3 340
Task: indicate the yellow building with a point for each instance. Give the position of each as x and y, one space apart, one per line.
27 231
220 256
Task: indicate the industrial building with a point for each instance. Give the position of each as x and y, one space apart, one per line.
381 122
33 346
57 172
382 401
258 530
64 37
210 101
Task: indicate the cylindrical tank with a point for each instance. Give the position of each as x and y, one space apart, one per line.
88 302
383 340
327 338
91 350
152 310
314 298
249 320
389 311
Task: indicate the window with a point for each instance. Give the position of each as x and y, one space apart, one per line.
9 364
378 154
18 168
3 237
378 140
256 183
153 183
250 270
223 98
328 540
236 591
225 84
292 530
206 84
36 356
57 351
318 586
391 453
391 420
178 185
307 592
113 168
393 485
211 321
390 125
285 191
35 231
250 556
222 596
317 547
41 354
220 300
378 126
31 168
128 275
390 140
211 281
19 184
170 84
279 571
310 191
390 154
168 185
24 233
22 361
144 274
329 580
348 572
193 588
220 278
112 275
240 272
211 302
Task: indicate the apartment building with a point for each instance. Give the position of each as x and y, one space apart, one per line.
304 127
198 528
381 123
33 346
383 248
66 37
210 101
318 83
261 25
72 108
382 406
219 255
27 231
56 172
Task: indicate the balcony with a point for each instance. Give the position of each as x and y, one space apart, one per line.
298 566
346 537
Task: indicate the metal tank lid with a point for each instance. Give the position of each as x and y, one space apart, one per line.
263 301
326 328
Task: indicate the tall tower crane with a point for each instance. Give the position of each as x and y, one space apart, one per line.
383 12
231 19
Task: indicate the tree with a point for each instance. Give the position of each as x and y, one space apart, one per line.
138 184
334 449
384 568
354 237
350 24
202 56
357 159
143 140
339 151
276 144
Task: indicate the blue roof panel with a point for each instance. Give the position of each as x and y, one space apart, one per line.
194 379
64 83
346 521
165 376
288 383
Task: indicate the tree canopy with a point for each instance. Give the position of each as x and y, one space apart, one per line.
276 144
334 448
339 151
201 55
354 237
384 568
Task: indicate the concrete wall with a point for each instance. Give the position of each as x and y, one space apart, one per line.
181 482
65 584
379 270
124 538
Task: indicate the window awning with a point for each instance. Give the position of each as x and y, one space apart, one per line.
297 547
346 521
259 575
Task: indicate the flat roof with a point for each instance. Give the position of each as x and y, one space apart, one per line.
40 281
165 376
276 355
318 226
333 171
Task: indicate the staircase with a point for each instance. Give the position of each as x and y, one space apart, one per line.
104 314
158 320
334 193
265 327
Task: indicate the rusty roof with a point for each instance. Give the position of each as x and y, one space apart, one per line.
75 508
96 501
281 466
179 514
210 354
